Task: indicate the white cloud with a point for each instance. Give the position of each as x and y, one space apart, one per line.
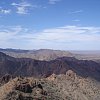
71 33
5 11
23 7
7 33
53 1
67 37
75 12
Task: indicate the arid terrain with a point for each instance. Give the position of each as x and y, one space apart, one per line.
53 75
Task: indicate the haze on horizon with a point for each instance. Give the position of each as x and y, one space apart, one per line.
50 24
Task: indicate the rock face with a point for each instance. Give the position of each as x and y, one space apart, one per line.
52 77
70 73
25 87
56 87
4 79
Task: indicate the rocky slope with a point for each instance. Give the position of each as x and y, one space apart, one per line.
55 87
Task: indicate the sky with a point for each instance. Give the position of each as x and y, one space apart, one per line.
50 24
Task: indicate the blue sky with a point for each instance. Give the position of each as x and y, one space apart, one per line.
50 24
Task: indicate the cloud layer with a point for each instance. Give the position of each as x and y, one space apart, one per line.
67 37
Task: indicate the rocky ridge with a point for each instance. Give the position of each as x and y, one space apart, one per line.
55 87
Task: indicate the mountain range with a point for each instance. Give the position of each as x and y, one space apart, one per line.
48 75
49 54
38 68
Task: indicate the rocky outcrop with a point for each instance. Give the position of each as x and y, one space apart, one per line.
23 89
52 77
6 78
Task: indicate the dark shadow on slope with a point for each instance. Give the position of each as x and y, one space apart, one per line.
36 68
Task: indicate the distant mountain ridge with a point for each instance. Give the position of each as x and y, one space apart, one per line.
37 68
49 54
41 54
